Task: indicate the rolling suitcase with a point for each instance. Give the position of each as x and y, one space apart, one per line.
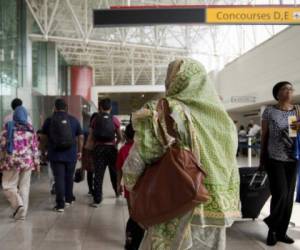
254 191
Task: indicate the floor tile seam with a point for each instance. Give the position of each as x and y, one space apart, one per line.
251 239
124 218
84 238
48 231
15 224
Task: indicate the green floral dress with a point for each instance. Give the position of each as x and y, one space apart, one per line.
203 126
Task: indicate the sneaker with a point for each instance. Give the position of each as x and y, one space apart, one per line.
68 204
286 239
22 217
59 210
95 205
19 213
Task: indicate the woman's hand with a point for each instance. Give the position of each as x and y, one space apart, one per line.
38 168
295 125
79 156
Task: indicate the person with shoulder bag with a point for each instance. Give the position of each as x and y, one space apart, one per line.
181 171
279 132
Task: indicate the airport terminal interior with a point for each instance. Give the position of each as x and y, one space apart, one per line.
52 49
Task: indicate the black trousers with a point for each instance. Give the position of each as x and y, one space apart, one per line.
90 181
134 235
64 178
282 178
104 155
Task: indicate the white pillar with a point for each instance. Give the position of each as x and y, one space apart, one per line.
52 69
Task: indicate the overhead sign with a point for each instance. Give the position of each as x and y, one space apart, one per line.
147 16
164 15
253 15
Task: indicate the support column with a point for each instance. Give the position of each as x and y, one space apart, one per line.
81 81
52 69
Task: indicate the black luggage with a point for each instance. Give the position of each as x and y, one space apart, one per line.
254 191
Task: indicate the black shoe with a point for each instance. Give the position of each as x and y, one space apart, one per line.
271 240
286 239
58 209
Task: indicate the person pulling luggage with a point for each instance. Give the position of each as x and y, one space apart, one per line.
278 159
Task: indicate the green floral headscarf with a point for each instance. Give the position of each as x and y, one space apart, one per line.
203 126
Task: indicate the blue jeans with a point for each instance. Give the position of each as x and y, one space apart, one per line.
63 175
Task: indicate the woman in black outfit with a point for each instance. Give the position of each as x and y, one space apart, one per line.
277 158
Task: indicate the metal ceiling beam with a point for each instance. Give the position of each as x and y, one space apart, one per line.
129 89
36 37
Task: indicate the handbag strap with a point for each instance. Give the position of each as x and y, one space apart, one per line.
297 107
164 108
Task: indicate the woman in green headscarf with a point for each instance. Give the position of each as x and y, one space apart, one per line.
204 127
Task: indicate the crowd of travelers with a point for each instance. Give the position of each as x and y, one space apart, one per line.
188 131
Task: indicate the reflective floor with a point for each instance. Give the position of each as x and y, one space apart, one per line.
81 227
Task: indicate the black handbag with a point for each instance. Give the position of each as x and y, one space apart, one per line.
79 175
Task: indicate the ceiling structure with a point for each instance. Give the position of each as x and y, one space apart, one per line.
140 55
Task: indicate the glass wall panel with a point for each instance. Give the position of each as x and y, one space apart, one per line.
39 67
10 50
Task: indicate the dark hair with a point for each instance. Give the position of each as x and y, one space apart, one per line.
129 132
105 104
60 104
16 103
277 88
242 127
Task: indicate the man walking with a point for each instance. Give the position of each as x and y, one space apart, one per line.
65 142
105 128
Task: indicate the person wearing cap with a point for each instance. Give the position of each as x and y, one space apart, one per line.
278 160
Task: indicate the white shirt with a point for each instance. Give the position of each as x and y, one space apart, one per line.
254 130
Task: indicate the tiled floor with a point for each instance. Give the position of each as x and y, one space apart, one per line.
81 227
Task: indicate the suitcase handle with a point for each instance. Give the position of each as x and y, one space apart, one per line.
254 177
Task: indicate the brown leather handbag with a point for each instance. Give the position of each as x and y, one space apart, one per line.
170 187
